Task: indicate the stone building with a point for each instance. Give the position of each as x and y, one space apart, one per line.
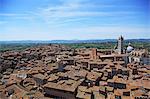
120 45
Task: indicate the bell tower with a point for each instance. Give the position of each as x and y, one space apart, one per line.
120 45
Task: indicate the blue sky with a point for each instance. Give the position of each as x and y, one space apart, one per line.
74 19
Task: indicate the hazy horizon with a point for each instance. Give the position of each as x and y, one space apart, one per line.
74 19
73 40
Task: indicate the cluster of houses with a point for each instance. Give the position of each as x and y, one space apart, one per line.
56 71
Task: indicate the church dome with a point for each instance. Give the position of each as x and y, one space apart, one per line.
129 48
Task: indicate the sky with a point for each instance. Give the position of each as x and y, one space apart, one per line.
74 19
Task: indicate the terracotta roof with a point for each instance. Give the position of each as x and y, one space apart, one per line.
97 95
67 85
93 76
118 92
17 90
84 89
95 88
83 95
109 88
113 55
40 76
53 77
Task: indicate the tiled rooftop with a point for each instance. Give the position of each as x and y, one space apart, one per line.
83 75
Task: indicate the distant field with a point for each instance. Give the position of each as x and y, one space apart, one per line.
15 46
103 45
110 45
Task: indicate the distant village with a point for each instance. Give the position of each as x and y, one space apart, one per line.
58 72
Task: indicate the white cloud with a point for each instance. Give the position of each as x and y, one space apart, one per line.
73 9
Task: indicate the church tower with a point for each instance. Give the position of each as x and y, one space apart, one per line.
120 45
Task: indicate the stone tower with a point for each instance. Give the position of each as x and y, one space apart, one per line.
120 45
